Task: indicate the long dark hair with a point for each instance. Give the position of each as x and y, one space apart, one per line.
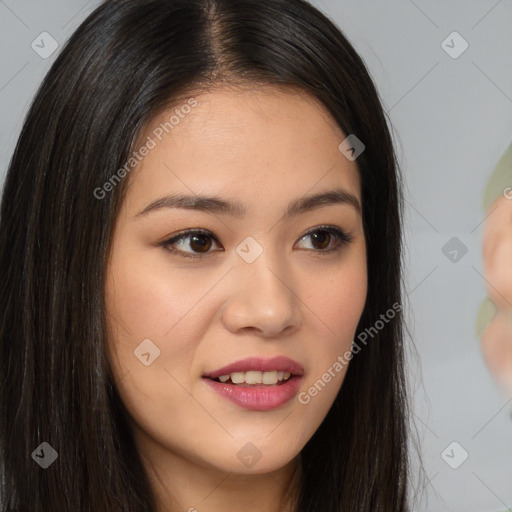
125 63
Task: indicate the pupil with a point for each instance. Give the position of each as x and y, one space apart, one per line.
203 242
323 237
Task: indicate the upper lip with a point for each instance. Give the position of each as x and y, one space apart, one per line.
279 363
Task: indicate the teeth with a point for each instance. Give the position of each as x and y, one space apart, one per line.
269 377
238 377
255 377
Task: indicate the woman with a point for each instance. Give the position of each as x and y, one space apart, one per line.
200 251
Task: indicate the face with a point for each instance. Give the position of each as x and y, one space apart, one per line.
224 313
497 256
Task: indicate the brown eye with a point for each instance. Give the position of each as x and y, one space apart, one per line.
321 239
191 244
325 239
200 243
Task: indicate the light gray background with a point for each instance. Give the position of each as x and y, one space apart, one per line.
452 120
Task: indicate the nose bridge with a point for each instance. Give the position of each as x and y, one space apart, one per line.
262 295
264 278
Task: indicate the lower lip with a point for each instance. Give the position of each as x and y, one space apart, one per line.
258 398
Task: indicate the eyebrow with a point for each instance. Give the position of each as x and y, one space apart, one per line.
216 205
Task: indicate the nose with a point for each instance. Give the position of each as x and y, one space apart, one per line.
262 299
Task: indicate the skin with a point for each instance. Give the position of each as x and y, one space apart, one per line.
263 147
497 258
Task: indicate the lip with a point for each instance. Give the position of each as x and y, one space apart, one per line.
279 363
259 397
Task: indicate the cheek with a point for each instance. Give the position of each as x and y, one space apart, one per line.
342 302
337 299
336 303
144 302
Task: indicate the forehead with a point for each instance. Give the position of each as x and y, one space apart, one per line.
244 142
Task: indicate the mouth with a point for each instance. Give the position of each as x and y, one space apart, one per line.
257 384
255 378
257 370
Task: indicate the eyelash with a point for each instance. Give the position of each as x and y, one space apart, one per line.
341 236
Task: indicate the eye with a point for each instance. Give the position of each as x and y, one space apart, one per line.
323 236
198 240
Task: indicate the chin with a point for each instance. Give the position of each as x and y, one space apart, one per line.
250 458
